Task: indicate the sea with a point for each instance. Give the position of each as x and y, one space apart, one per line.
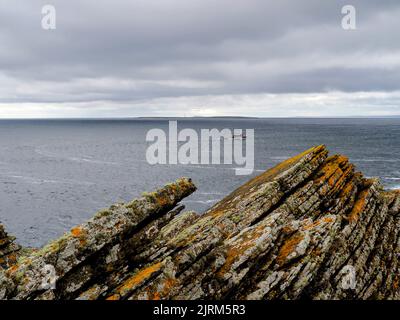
55 174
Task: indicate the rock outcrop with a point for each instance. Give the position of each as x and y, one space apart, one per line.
310 228
9 250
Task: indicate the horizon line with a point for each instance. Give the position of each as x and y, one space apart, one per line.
205 117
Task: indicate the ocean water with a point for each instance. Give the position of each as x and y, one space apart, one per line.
55 174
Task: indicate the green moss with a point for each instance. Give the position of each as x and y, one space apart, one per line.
53 246
103 213
236 218
150 196
19 276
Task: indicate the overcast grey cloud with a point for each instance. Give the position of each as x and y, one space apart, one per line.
199 57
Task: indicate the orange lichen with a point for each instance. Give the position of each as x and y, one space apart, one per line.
288 229
76 232
335 171
231 254
138 278
342 180
162 290
359 206
162 201
317 223
288 247
168 285
235 251
154 296
328 220
13 269
347 190
113 297
396 282
12 258
268 176
312 225
79 233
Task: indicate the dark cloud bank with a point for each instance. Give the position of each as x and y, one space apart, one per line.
202 57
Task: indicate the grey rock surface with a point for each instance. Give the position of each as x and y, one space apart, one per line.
311 227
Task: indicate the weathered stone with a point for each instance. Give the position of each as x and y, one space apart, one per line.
9 251
310 227
77 254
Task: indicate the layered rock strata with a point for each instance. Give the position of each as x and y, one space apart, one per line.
310 228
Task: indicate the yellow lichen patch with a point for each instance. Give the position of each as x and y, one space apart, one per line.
359 206
341 173
156 296
347 190
231 254
268 176
162 201
328 220
341 180
288 247
12 258
391 196
168 285
114 297
314 224
13 269
76 232
79 233
217 212
138 278
162 290
288 229
153 295
396 282
331 172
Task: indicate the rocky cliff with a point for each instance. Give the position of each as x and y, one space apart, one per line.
311 227
9 251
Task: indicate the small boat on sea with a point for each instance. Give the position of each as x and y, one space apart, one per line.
239 136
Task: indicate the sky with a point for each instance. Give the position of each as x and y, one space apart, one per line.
266 58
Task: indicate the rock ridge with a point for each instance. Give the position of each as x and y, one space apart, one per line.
312 227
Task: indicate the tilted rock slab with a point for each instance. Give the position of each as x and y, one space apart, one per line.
309 228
